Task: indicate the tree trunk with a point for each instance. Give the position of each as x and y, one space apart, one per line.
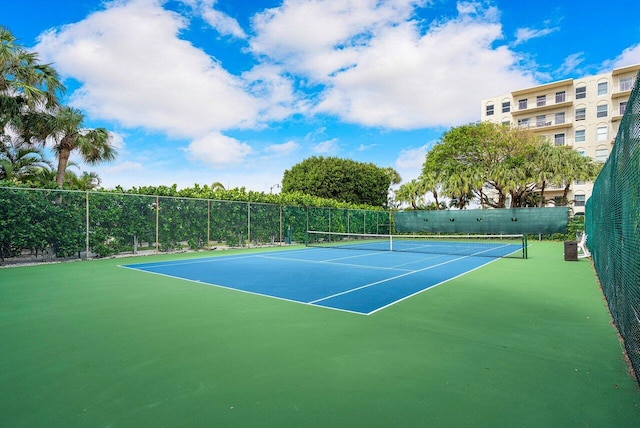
63 160
541 203
565 200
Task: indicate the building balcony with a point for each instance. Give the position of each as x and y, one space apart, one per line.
548 125
568 102
621 94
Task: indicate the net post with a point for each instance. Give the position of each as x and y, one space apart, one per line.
390 242
525 254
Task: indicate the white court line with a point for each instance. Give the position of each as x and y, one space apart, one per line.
253 293
332 262
369 253
430 287
388 279
221 257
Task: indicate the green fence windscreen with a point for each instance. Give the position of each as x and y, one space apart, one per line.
507 221
612 224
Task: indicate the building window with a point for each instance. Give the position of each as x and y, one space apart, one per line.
602 153
490 110
559 118
506 122
524 122
522 104
623 108
579 200
581 92
601 110
561 97
540 120
506 107
581 135
558 139
580 182
582 152
626 84
603 88
581 113
602 133
541 100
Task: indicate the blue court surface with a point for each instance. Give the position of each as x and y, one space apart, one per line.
356 281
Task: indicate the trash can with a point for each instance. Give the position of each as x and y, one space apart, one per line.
287 238
571 251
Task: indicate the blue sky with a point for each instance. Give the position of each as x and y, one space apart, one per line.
236 92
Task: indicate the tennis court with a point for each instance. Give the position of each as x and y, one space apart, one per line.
525 343
364 280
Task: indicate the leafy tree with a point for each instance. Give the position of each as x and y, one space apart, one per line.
484 160
340 179
494 162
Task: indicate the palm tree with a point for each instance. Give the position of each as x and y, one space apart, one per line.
25 84
547 163
86 181
411 192
430 182
217 186
575 166
65 129
20 162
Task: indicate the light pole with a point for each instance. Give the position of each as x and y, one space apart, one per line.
277 185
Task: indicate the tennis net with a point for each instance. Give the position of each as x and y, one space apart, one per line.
514 246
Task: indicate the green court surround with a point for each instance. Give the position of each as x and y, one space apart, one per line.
518 343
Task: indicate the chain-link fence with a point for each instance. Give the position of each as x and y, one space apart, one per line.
613 228
45 225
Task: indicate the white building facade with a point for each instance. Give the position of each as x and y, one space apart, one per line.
582 113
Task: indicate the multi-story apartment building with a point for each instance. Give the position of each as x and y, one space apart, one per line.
582 113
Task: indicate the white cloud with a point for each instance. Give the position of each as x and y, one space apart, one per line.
380 68
283 149
134 68
409 162
378 65
629 56
571 63
365 147
320 37
328 147
121 167
224 24
412 158
525 34
217 150
270 82
117 141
